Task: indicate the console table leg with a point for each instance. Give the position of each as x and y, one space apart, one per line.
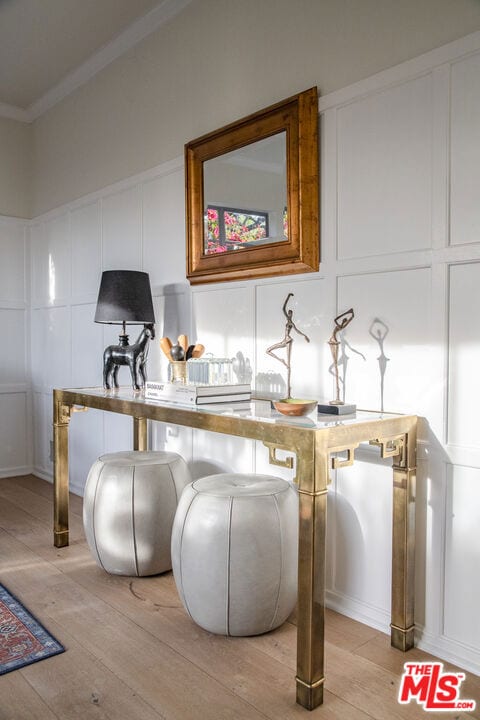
403 545
61 420
140 436
313 480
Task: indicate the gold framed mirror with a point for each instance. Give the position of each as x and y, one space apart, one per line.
252 195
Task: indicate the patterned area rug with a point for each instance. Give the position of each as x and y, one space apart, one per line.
22 639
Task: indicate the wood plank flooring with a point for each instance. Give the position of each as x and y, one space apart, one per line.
134 654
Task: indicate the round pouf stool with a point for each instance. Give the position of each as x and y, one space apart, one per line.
234 552
128 510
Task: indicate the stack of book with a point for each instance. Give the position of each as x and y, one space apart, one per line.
199 394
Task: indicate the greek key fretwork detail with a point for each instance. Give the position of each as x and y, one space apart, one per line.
341 462
274 460
390 447
65 413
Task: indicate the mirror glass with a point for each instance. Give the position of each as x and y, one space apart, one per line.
245 197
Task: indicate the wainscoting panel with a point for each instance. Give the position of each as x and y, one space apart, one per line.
42 434
465 151
14 452
12 326
391 332
57 348
307 358
385 171
464 356
362 534
462 553
85 446
86 234
214 453
223 321
87 347
57 241
12 272
15 420
39 265
38 333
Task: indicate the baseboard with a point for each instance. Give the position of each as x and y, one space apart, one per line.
370 615
446 649
16 471
452 651
42 474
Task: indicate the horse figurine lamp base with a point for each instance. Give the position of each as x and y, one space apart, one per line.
135 356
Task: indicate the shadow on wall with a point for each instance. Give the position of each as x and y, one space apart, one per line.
348 536
379 331
343 362
201 467
270 385
176 312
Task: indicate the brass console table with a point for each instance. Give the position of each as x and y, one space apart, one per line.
319 446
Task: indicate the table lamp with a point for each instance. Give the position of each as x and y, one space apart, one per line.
125 298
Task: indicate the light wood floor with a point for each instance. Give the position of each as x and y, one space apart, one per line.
133 653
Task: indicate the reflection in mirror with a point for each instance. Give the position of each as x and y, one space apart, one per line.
245 196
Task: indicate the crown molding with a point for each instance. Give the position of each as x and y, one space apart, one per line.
13 113
138 30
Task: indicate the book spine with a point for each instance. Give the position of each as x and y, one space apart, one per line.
235 397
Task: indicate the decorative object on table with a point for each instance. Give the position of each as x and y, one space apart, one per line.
177 371
125 298
289 405
23 640
128 509
210 371
242 368
197 394
338 406
379 331
177 354
234 552
294 406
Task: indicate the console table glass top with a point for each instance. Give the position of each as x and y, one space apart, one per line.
320 444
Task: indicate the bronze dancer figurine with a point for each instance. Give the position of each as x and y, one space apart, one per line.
341 322
287 342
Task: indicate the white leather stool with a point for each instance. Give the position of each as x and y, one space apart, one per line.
234 552
128 510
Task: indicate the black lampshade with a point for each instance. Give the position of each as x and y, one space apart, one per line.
125 297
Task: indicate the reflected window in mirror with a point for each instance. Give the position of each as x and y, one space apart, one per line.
234 229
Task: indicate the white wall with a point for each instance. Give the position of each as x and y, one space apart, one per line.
15 405
216 61
400 243
15 168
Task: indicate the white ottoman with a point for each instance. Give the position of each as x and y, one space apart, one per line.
128 510
234 552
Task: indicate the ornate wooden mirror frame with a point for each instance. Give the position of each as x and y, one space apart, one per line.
299 251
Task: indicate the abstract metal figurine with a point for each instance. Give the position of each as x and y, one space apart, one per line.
341 322
286 342
135 356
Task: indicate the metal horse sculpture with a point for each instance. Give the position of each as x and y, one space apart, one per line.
135 356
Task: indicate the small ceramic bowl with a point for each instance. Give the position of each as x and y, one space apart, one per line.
295 406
